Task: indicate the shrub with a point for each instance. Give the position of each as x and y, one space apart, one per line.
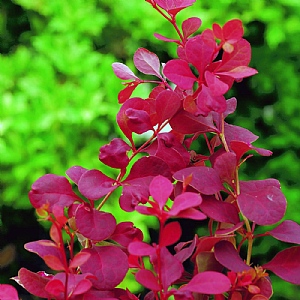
165 178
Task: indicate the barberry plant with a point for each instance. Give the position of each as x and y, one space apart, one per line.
169 180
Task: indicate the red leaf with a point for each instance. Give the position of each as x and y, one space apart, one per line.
138 120
141 249
167 104
288 231
125 233
135 191
125 94
108 263
204 179
147 62
199 53
187 123
114 154
33 283
191 213
149 166
123 116
52 189
171 233
122 71
240 56
286 265
49 251
160 189
190 25
219 211
207 102
93 184
79 259
208 282
93 224
165 39
55 287
185 201
269 202
236 133
225 164
228 256
233 30
170 267
170 149
216 86
179 72
8 292
147 279
239 72
174 6
75 173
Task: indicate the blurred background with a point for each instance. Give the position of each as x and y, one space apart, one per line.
58 99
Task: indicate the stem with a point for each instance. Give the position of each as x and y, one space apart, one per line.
222 135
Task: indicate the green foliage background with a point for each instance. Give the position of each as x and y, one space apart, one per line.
58 94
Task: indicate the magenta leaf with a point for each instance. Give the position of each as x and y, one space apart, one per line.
147 279
179 72
123 72
34 283
55 288
108 263
135 191
141 249
170 267
123 116
149 166
239 72
185 201
208 282
147 62
190 213
204 179
8 292
288 231
78 284
207 102
171 233
187 123
138 120
125 233
79 259
233 30
165 39
169 149
75 173
269 202
286 265
160 189
167 104
236 133
174 6
114 154
53 190
190 26
225 164
219 210
93 224
215 85
125 94
93 184
49 251
228 256
199 53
